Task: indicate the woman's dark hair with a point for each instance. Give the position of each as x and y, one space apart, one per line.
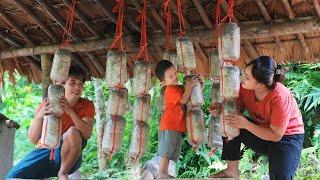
265 70
161 68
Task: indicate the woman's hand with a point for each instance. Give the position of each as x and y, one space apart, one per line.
44 111
65 106
237 121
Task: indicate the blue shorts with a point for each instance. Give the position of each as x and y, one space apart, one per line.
37 164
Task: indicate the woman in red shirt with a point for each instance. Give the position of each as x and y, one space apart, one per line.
274 126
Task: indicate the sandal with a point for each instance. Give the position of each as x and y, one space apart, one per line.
223 174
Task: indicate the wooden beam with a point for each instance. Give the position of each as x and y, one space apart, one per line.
264 11
200 51
175 11
316 7
203 14
287 6
268 19
82 18
15 26
251 51
139 8
248 31
37 20
95 60
106 9
46 63
9 40
300 36
56 17
158 18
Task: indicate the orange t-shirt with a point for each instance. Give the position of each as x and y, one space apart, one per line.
84 108
278 108
173 118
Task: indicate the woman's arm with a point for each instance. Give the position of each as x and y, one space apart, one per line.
271 133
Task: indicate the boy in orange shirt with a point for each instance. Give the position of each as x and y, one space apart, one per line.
173 120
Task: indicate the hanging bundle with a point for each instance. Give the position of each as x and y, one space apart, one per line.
230 82
51 133
214 133
60 65
62 57
113 135
139 140
141 108
118 102
171 55
215 65
196 128
55 93
184 46
116 67
216 97
229 108
141 82
196 96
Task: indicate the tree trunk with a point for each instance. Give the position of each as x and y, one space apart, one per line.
100 121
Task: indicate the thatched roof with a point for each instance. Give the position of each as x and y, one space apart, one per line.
288 30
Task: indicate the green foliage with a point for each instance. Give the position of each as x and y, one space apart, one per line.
19 103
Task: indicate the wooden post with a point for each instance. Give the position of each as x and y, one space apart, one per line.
100 121
46 62
6 145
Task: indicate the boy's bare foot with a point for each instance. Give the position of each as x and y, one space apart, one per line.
226 174
63 177
164 176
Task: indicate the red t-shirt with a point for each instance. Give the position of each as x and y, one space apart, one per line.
173 118
278 108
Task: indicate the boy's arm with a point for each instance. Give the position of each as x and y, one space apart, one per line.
186 95
188 89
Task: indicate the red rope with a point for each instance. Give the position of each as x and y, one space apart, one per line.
181 19
117 42
143 53
67 36
168 15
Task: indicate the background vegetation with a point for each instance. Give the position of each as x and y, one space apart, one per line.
19 102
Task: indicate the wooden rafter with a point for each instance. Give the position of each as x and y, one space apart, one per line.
203 15
268 19
248 31
59 20
83 19
37 20
18 29
316 7
106 9
300 36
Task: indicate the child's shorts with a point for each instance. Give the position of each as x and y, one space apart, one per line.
170 143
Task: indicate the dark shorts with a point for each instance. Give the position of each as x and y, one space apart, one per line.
37 164
170 143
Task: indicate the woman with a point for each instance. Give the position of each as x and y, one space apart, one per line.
274 128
